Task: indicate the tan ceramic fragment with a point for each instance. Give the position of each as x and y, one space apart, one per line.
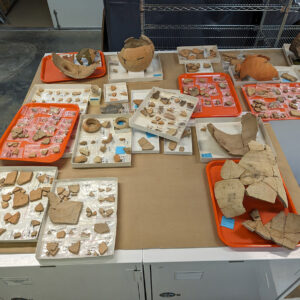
14 219
74 188
6 197
106 213
278 222
172 131
253 145
4 205
230 195
292 224
60 190
16 189
261 191
11 178
7 216
52 248
39 208
20 200
145 144
255 215
101 228
17 235
231 170
2 230
84 151
102 248
35 194
24 177
97 159
80 159
250 225
35 223
67 212
117 158
34 233
262 162
42 178
172 145
74 248
277 185
103 149
262 231
108 140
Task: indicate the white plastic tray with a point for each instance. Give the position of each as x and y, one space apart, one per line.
184 147
48 93
27 212
113 93
139 121
209 149
116 72
201 69
153 139
85 226
183 60
94 142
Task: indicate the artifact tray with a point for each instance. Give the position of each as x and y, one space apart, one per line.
206 54
283 95
153 139
240 236
28 232
172 111
120 141
213 101
91 190
201 69
208 147
50 73
79 94
115 93
116 72
45 131
184 147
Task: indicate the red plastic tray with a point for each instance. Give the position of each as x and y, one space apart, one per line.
50 73
293 89
62 130
214 110
241 236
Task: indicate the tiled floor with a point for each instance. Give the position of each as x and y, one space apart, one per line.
20 55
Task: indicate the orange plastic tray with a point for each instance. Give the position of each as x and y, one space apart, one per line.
240 236
62 130
214 110
50 73
284 109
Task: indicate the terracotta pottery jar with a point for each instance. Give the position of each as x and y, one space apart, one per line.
137 54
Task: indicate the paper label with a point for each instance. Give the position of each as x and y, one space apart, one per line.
227 222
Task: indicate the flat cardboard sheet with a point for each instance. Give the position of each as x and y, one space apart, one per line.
164 200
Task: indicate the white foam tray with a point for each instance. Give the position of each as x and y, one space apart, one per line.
153 139
185 142
49 95
85 224
209 149
201 69
183 60
94 148
27 212
138 121
121 87
153 73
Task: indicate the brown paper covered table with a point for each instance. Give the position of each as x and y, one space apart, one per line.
164 200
